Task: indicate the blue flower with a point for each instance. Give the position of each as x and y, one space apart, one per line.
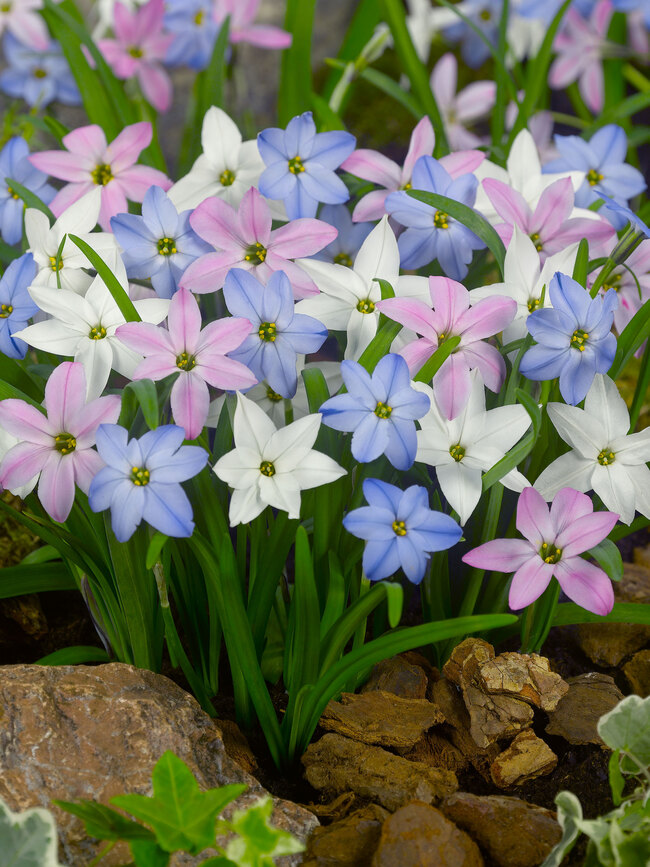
485 14
141 479
15 165
602 158
301 163
16 305
634 6
547 10
195 30
160 244
344 248
432 234
277 333
38 77
628 215
574 338
380 409
400 529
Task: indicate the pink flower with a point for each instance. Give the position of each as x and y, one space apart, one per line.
139 48
373 166
57 445
89 162
550 226
580 47
460 109
244 240
452 316
551 548
627 279
198 356
242 13
20 17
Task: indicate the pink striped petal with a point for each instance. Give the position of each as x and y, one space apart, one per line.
208 273
86 142
65 394
533 519
566 68
302 237
444 79
29 28
24 421
554 206
255 218
226 373
22 463
136 180
145 338
156 85
56 485
489 362
302 285
63 165
422 142
262 35
68 195
586 585
568 505
184 322
411 313
509 204
487 317
450 299
416 353
113 203
125 24
462 162
500 555
601 16
190 401
156 367
87 464
124 150
103 410
222 336
373 166
149 18
585 532
452 386
217 222
370 207
475 101
529 582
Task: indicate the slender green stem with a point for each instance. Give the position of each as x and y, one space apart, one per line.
641 390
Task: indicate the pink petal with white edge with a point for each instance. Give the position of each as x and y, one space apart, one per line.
500 555
113 203
302 285
554 207
489 362
302 237
87 464
190 402
65 394
475 101
452 385
487 317
30 29
449 299
24 421
22 463
156 367
255 219
226 373
592 86
217 222
444 81
145 338
149 18
373 166
136 180
156 85
223 335
264 36
125 24
585 532
568 505
462 162
68 195
208 273
87 142
533 519
370 207
529 582
422 142
104 410
586 585
184 322
411 313
509 204
566 68
125 149
63 165
56 486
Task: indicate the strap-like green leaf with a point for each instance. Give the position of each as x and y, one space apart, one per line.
113 285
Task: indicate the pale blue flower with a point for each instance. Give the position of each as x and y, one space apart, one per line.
15 165
16 304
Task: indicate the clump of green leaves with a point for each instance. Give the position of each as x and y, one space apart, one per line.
620 838
28 839
180 817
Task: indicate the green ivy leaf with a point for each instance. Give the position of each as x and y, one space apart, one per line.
569 814
181 816
147 853
259 842
29 839
627 728
105 823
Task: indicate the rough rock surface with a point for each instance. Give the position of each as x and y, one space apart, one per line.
381 718
73 732
525 758
398 676
607 644
418 834
510 832
348 843
523 676
465 660
576 716
637 671
436 750
335 764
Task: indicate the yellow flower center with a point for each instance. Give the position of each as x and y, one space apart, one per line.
549 553
594 177
485 14
382 410
441 220
407 186
255 254
606 457
39 73
578 339
102 174
267 468
399 528
227 178
296 166
457 452
366 306
139 476
267 331
613 282
65 443
167 247
98 332
538 244
135 51
534 304
273 395
13 193
343 259
56 264
5 310
198 18
185 361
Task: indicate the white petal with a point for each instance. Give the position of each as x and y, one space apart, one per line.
461 486
317 469
614 486
604 403
281 491
289 446
570 470
252 426
580 430
245 506
378 256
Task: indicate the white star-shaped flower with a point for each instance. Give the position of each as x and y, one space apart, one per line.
269 467
604 457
